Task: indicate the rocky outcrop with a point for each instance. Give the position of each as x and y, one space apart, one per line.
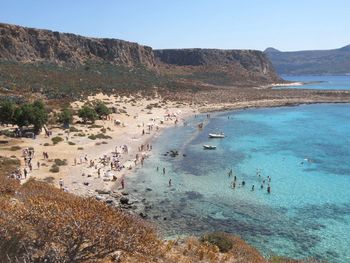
188 66
252 60
248 64
31 45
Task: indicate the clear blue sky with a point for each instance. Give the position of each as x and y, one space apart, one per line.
228 24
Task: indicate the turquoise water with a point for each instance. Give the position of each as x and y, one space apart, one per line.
321 82
304 149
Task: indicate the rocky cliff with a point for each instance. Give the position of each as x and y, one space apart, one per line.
189 67
237 65
23 44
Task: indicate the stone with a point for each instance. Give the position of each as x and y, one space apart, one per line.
143 215
99 198
124 200
102 192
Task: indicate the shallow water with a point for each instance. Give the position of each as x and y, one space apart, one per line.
320 82
305 150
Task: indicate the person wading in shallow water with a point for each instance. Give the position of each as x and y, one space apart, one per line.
269 189
163 170
169 182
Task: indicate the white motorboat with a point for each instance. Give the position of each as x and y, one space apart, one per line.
209 147
217 135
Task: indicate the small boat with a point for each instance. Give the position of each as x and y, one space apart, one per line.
209 147
217 135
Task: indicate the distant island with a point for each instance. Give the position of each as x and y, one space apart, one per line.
311 62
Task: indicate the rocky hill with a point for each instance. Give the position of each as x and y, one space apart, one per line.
64 65
311 62
237 67
23 44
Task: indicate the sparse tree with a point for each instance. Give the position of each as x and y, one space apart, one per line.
40 116
87 113
101 109
7 111
65 117
31 114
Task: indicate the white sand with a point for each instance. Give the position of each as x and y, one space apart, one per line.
130 134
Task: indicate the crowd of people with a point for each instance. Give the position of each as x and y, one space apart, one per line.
262 181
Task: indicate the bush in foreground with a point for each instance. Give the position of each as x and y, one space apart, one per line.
47 224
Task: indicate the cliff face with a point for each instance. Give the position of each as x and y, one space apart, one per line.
194 66
237 63
31 45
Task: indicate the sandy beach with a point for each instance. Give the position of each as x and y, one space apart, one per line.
84 172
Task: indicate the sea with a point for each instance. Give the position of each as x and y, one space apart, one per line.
301 152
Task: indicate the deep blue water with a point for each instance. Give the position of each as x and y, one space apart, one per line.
320 82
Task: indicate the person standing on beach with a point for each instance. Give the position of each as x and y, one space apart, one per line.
60 182
122 183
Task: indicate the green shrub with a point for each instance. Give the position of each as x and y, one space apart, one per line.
7 133
15 148
56 139
73 129
49 179
219 239
71 143
99 136
46 144
60 162
94 126
54 168
80 148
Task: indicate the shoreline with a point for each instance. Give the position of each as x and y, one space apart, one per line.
110 192
76 176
